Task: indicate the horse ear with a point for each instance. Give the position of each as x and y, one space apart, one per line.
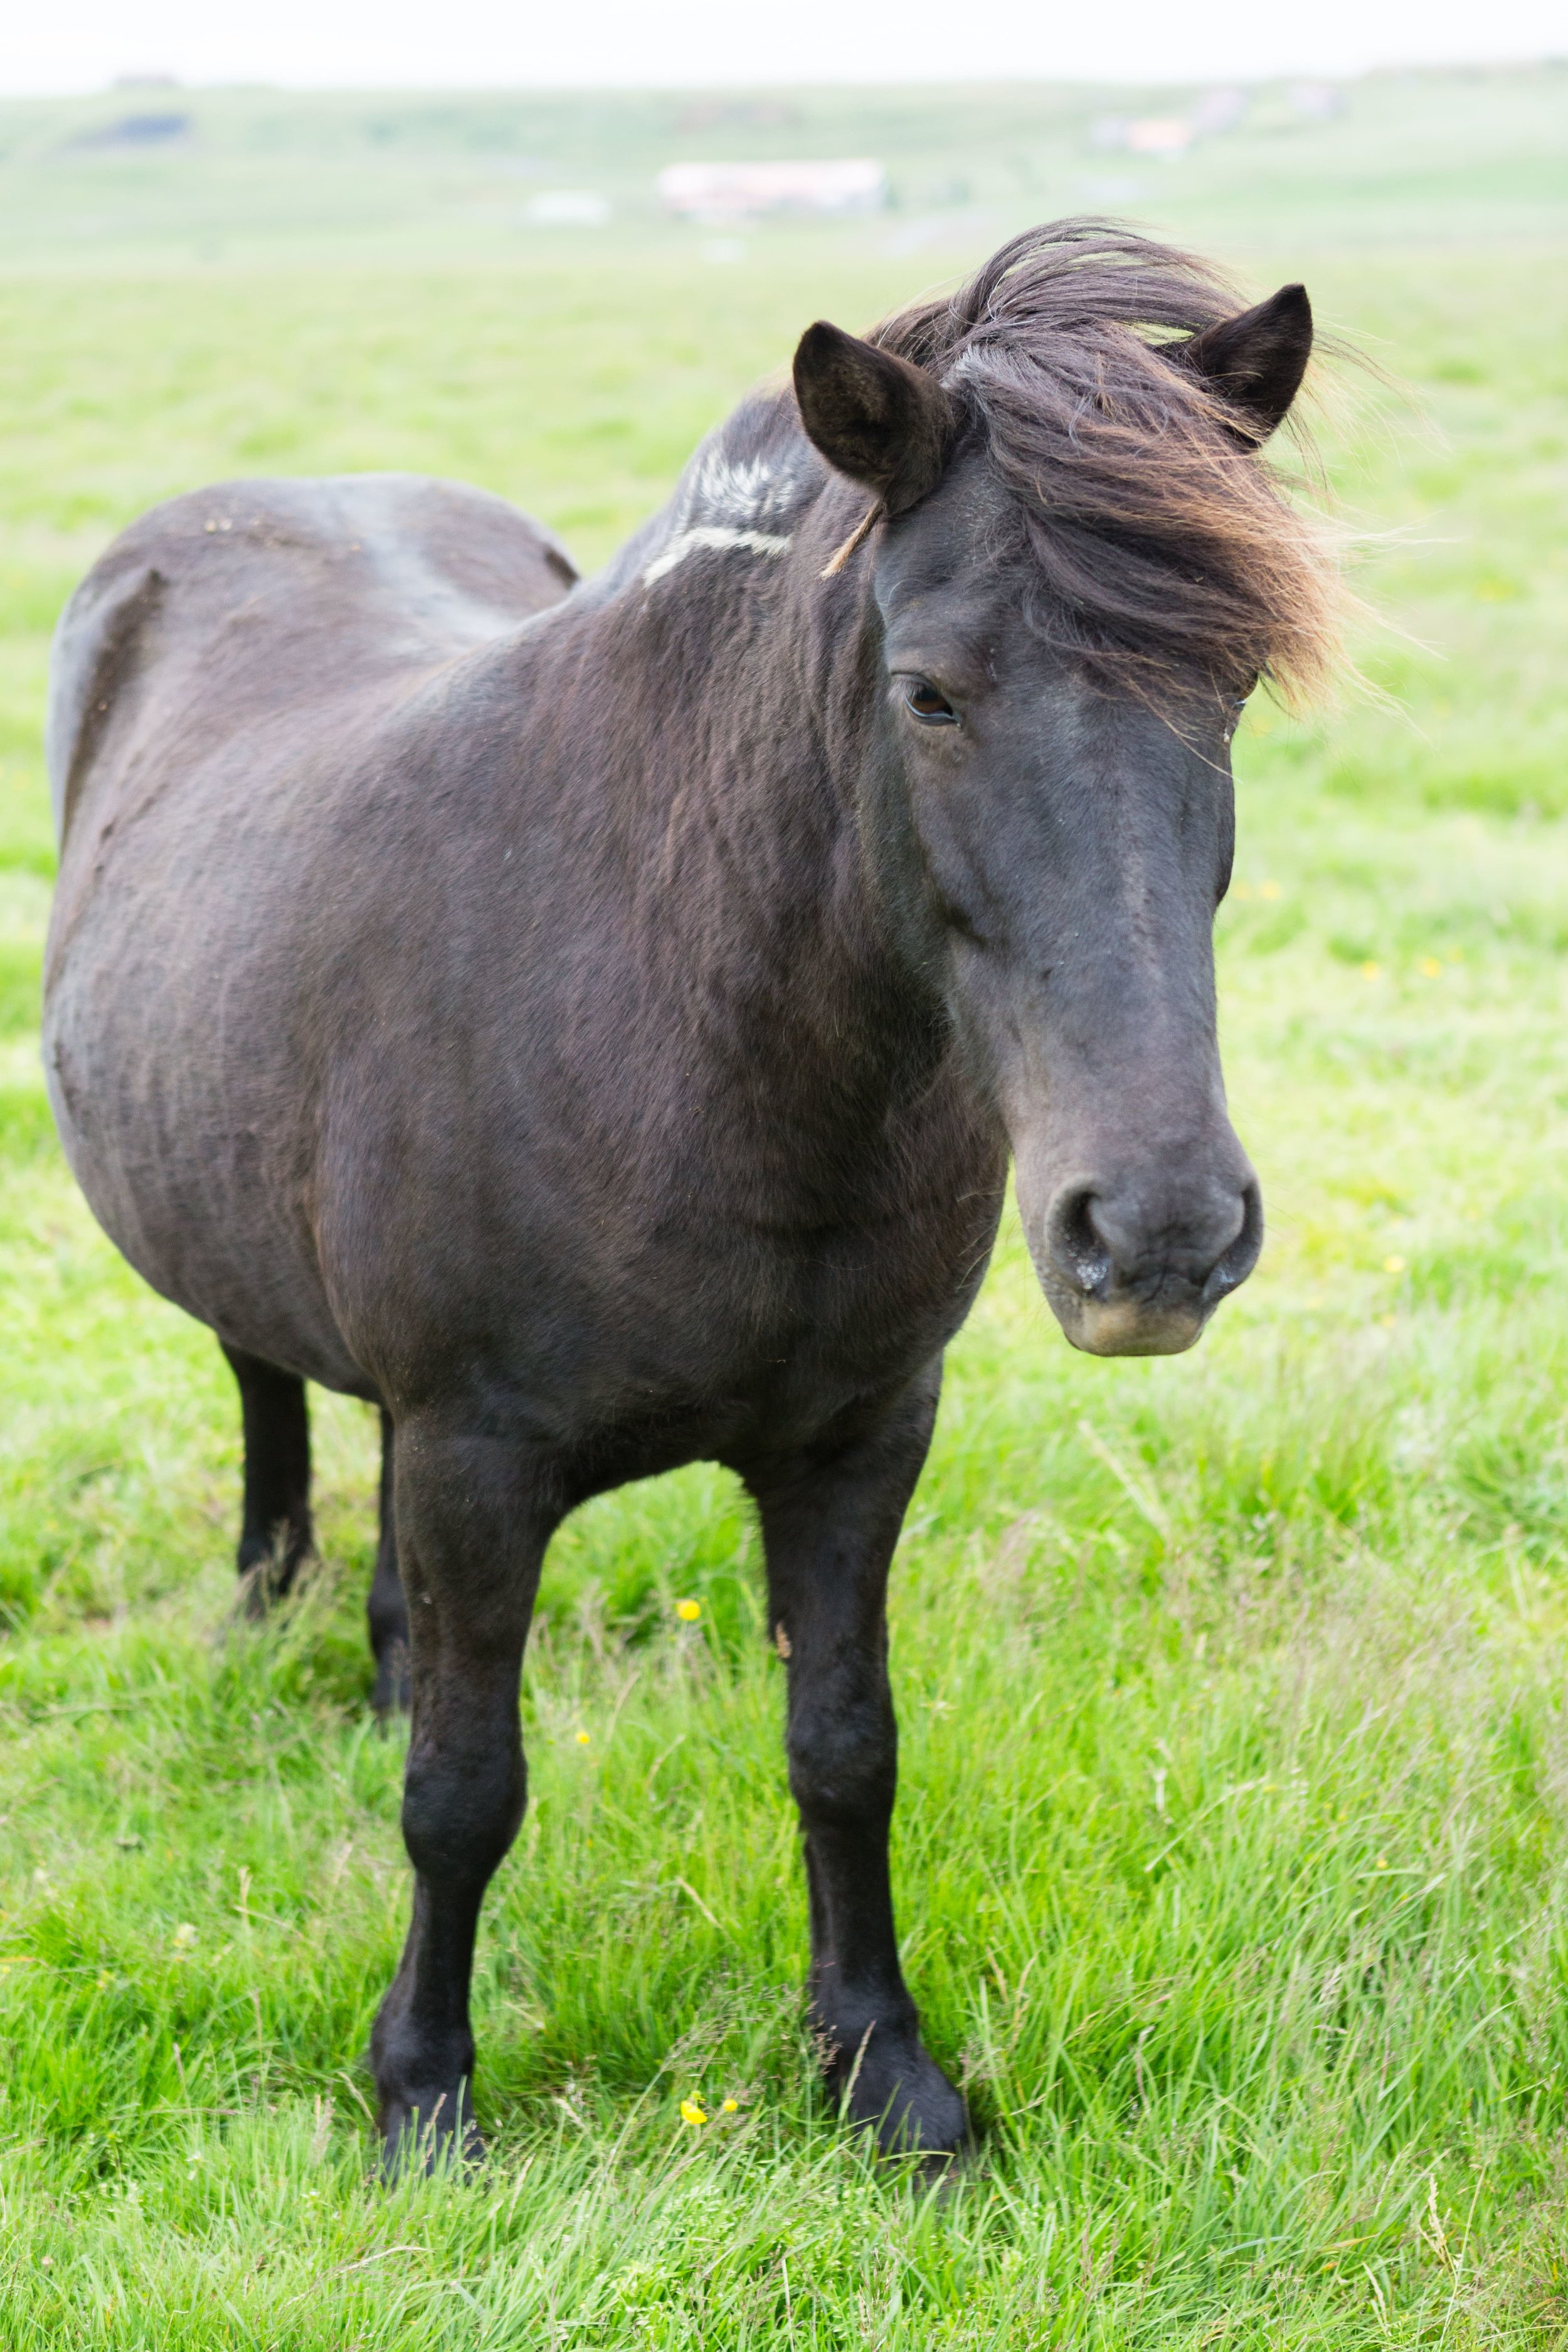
873 416
1256 361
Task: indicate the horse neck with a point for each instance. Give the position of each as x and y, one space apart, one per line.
751 685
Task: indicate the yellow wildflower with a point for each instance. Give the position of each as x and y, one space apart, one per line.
691 2112
689 1612
730 2107
1430 968
582 1739
1370 971
1268 889
1395 1264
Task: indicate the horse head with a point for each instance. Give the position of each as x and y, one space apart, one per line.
1079 569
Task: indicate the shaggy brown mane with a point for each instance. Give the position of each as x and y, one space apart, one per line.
1166 548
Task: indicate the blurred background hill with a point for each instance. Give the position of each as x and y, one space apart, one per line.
151 174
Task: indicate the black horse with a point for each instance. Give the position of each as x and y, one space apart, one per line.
591 1021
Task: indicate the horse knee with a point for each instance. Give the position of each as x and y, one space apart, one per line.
843 1764
461 1810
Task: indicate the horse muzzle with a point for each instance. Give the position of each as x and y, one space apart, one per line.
1138 1271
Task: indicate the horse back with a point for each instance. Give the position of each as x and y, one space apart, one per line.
256 595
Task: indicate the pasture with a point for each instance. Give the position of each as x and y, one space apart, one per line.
1232 1852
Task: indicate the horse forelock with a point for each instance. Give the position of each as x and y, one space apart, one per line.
1160 549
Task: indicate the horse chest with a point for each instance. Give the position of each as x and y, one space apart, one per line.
726 1339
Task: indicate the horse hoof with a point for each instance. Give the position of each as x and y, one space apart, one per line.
415 2140
906 2100
260 1588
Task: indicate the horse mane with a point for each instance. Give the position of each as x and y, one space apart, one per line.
1166 549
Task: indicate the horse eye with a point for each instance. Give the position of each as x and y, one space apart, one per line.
924 702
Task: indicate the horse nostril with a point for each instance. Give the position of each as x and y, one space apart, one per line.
1077 1245
1105 1243
1239 1255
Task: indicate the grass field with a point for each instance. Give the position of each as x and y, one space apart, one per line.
1233 1842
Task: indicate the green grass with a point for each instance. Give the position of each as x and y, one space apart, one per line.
1231 1847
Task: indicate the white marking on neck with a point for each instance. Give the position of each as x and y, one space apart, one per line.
746 493
686 542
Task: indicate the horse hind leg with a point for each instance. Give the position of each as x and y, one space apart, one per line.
386 1609
276 1534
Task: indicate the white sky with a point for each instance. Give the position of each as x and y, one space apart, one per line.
478 43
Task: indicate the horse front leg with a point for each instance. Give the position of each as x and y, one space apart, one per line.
470 1539
829 1526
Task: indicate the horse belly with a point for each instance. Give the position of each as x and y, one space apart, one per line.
187 1189
171 1058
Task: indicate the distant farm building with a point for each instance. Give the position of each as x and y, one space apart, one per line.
567 208
737 192
1300 105
1158 135
134 131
